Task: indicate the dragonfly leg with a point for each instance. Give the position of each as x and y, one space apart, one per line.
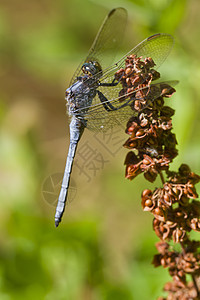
107 105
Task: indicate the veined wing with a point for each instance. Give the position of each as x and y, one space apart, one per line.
157 47
100 119
107 41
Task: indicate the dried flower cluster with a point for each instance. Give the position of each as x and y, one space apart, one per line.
150 131
175 210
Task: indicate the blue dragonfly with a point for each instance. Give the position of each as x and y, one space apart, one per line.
93 100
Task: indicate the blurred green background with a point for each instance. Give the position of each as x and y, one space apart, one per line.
104 246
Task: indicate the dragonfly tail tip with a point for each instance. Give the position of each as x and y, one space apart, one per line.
57 223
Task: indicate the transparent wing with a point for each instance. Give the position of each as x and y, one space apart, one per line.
107 41
157 47
100 119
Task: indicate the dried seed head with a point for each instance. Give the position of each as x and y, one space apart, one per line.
146 193
128 71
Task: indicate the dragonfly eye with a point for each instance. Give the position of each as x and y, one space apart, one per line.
97 66
91 68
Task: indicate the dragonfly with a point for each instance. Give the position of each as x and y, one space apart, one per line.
93 100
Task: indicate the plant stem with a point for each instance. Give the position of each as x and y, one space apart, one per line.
162 177
196 286
182 247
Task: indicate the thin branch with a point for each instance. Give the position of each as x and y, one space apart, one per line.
196 286
162 177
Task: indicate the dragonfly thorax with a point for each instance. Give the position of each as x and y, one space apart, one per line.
79 96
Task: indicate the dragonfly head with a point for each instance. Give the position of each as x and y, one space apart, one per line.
92 68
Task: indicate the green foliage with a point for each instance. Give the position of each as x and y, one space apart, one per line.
103 248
